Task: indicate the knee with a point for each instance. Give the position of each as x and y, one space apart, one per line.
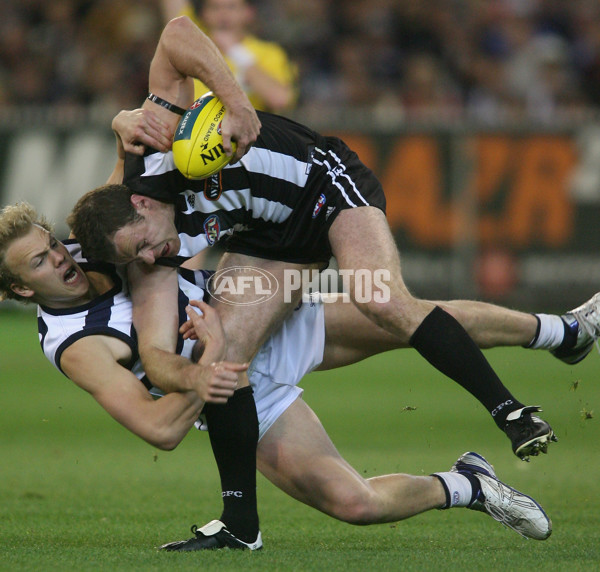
356 507
400 315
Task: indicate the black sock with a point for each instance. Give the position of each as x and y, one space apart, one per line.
445 344
233 430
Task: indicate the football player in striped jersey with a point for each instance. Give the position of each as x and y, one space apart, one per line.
291 201
84 310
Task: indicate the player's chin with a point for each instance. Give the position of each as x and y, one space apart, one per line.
174 246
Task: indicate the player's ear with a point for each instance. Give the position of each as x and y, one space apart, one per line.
140 202
21 290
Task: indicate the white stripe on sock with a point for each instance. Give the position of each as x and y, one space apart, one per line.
459 486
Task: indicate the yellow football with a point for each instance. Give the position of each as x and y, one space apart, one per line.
198 145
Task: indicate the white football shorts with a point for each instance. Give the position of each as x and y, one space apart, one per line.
286 357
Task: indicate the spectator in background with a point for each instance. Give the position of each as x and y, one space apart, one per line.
306 28
262 68
586 51
118 40
502 59
427 92
77 52
350 59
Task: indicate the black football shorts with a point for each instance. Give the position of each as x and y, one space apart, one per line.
338 180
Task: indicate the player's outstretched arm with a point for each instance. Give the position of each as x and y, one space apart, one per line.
163 423
185 52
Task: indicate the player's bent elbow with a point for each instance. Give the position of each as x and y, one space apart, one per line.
167 445
177 28
164 439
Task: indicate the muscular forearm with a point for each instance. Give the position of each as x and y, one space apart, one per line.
172 417
172 372
197 57
211 379
116 177
185 52
163 422
168 371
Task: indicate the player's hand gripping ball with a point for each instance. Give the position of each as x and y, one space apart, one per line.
198 145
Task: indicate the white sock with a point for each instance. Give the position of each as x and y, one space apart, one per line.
551 334
459 491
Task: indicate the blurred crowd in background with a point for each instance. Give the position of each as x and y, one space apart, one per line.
489 60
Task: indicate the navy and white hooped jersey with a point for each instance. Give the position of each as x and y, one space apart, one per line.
289 354
262 189
109 314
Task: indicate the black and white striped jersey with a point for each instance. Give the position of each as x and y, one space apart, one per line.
278 202
110 314
261 190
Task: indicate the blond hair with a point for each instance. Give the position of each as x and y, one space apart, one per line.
15 222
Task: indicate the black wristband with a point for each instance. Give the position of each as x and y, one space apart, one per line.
163 103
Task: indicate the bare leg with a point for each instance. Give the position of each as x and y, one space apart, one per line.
492 326
297 455
361 240
402 313
351 336
247 324
488 325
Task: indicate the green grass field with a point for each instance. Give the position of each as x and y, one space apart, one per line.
78 492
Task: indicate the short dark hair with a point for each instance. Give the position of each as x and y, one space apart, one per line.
97 216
